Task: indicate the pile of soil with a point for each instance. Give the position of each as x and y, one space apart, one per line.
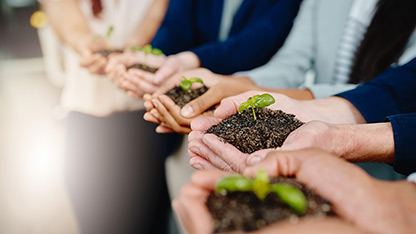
270 129
182 97
107 52
243 211
142 67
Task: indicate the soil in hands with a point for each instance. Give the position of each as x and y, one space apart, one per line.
143 67
182 97
270 129
107 52
243 211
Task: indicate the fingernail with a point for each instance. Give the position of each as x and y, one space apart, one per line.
187 111
155 103
197 166
254 160
195 150
155 113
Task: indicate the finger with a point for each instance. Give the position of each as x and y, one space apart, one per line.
89 60
204 123
200 163
133 94
174 111
169 84
164 72
167 119
98 66
197 106
145 86
200 149
195 135
148 105
229 105
208 179
163 129
228 153
147 76
258 156
151 118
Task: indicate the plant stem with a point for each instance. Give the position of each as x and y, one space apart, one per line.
145 61
254 113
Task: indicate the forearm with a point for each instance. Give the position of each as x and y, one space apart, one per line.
149 24
363 142
68 21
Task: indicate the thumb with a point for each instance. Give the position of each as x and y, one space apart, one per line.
197 106
163 73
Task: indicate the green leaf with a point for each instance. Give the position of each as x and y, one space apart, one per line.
110 31
234 183
292 196
243 106
135 48
186 85
264 100
196 79
156 51
261 184
147 49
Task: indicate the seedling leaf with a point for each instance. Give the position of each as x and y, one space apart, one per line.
156 51
261 184
292 196
109 31
234 183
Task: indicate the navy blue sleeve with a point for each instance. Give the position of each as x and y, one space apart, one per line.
392 92
176 33
404 130
254 45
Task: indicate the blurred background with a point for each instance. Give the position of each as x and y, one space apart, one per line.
33 199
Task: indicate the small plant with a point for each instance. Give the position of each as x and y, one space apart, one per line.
147 49
187 84
257 101
261 187
107 36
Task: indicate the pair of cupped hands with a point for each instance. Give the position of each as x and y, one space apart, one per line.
134 82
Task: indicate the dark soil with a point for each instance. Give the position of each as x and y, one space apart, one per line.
243 211
142 67
106 52
182 97
270 129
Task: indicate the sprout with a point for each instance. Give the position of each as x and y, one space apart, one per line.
292 196
147 49
187 84
257 101
110 31
261 187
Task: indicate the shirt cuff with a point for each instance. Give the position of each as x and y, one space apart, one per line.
372 102
404 128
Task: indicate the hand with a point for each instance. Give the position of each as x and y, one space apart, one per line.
207 151
162 110
94 62
134 81
372 205
176 63
195 217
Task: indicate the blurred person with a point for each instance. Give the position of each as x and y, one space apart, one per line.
225 36
364 204
344 43
363 137
114 161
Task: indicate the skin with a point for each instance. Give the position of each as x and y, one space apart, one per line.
366 205
207 151
77 34
175 119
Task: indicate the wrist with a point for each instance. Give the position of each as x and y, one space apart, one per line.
189 60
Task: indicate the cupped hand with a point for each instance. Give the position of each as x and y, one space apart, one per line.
372 205
194 215
94 62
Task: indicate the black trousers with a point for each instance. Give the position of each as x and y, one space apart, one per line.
115 173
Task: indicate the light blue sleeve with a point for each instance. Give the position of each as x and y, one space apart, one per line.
288 66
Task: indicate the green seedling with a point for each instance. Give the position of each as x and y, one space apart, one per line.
147 49
257 101
187 84
107 36
261 187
